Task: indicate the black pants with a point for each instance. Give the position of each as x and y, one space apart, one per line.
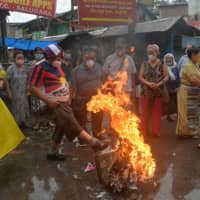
80 112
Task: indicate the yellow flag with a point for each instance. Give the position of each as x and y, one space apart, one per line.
10 134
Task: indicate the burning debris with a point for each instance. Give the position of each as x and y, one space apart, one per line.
130 159
122 174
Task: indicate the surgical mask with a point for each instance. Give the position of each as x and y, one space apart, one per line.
151 57
19 61
67 56
56 63
39 56
170 64
90 63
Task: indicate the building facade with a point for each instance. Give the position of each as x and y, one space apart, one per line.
173 10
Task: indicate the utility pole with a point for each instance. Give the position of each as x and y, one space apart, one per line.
72 10
3 23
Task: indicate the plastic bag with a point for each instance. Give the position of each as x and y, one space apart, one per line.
10 134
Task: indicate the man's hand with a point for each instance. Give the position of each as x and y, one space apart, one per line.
39 94
52 103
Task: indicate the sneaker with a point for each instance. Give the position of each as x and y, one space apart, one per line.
56 157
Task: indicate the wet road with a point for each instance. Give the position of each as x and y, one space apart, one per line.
26 175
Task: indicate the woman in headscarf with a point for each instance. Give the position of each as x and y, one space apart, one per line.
172 84
188 97
153 76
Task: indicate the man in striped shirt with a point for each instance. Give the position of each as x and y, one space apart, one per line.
49 74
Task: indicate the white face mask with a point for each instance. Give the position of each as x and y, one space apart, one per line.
67 56
90 63
56 63
39 56
151 57
170 64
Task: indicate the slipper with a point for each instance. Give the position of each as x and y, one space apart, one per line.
51 124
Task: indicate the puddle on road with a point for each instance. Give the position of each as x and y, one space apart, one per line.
40 192
166 184
193 195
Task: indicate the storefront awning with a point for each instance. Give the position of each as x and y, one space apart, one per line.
25 44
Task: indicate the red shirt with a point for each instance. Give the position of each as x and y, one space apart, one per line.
52 78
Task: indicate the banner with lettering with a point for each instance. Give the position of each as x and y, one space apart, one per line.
44 8
107 12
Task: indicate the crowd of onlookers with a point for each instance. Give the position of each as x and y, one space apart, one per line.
156 86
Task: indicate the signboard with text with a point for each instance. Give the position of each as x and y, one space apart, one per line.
107 12
44 8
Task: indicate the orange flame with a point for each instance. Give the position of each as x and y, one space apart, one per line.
113 100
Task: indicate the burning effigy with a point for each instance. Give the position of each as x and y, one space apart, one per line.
130 160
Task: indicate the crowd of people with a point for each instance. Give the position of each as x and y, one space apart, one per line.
157 86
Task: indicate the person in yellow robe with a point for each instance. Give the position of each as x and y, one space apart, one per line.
188 123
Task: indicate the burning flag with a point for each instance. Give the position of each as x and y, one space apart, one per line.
132 148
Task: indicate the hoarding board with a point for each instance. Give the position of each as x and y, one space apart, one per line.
107 12
37 7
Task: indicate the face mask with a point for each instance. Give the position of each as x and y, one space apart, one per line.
151 57
39 56
56 63
90 63
170 64
20 61
68 56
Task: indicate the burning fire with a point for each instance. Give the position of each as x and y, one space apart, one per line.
113 100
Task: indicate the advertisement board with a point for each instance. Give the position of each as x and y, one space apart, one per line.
107 12
44 8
